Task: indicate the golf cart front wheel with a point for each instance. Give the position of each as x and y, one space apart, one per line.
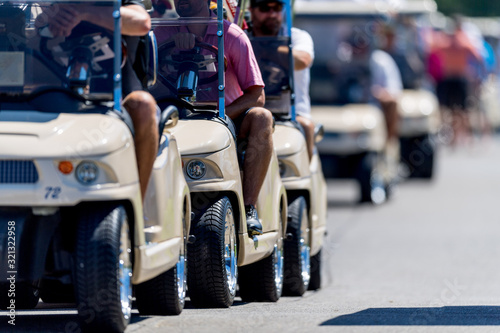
371 182
103 269
262 281
297 268
212 258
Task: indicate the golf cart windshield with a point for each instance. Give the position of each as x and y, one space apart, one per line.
38 53
188 73
340 73
273 56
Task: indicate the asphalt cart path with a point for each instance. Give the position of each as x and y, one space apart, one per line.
427 261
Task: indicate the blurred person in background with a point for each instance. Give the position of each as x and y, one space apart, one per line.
481 74
160 7
398 39
368 74
386 86
266 20
459 64
385 82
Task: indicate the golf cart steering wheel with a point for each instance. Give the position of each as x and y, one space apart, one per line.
163 55
86 43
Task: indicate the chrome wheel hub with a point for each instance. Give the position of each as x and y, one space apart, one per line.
278 266
230 255
125 271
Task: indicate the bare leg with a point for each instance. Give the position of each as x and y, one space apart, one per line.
257 128
308 126
142 109
390 109
462 126
457 126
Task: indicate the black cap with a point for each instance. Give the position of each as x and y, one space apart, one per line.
255 3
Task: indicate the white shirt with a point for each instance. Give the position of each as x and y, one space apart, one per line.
302 41
385 73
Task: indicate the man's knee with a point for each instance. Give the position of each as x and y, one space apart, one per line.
141 106
260 118
389 105
306 123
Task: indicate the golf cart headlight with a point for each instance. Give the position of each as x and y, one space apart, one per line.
282 168
196 169
87 172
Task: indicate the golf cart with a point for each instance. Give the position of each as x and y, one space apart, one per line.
303 179
222 254
418 105
74 225
355 135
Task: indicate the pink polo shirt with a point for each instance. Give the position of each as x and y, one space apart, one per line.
242 68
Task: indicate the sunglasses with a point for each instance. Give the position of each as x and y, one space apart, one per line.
265 8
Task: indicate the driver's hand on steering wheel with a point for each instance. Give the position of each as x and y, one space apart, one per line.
186 40
61 19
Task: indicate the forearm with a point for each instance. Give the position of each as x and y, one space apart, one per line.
251 98
135 20
301 59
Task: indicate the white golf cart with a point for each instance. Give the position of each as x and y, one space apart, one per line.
355 135
221 255
303 179
74 225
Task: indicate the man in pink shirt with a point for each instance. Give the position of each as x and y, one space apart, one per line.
244 92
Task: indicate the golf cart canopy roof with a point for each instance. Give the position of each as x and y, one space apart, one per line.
360 8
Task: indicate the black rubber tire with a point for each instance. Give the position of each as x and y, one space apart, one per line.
207 275
315 282
261 281
53 291
363 176
420 157
97 268
294 281
370 179
160 295
26 295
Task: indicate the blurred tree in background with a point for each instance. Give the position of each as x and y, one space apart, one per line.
470 7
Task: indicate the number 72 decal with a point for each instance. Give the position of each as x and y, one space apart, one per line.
52 192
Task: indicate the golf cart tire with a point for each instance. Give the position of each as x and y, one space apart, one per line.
418 154
53 291
315 282
363 175
295 279
97 286
207 275
26 296
262 281
159 296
